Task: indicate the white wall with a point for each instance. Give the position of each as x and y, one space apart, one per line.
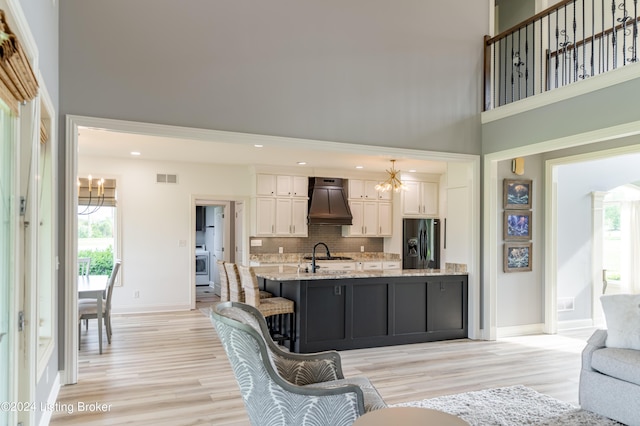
155 219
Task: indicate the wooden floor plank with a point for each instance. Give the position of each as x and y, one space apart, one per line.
170 369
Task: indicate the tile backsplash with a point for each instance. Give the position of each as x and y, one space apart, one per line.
330 235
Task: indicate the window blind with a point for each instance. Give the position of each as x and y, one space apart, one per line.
95 196
18 82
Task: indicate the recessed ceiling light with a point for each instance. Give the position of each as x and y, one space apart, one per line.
301 163
359 167
136 153
412 171
258 145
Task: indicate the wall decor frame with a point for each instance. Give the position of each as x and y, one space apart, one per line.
517 257
517 193
517 225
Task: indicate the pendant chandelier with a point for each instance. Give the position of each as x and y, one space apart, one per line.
393 182
93 195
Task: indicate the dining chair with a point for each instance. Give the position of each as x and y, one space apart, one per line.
236 292
84 266
275 307
88 308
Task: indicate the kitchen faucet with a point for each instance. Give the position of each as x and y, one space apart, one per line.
315 267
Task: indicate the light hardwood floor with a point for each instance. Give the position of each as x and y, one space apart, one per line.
170 369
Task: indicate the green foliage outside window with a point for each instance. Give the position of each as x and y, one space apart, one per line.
101 260
100 229
612 217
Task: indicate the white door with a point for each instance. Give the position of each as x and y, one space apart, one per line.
218 242
239 233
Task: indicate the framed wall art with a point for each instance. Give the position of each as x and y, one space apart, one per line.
517 193
517 257
517 225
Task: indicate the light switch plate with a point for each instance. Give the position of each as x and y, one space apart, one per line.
256 243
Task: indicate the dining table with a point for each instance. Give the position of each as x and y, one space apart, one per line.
94 287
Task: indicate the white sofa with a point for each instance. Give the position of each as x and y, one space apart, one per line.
610 380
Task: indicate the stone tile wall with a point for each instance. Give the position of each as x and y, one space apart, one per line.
330 235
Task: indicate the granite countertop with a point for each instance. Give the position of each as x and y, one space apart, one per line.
290 273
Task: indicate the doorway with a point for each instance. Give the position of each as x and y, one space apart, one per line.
219 231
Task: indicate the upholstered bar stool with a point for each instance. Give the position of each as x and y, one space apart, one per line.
236 292
275 307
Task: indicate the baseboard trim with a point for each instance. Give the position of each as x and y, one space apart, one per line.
520 330
575 324
151 309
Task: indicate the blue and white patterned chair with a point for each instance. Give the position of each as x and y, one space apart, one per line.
282 388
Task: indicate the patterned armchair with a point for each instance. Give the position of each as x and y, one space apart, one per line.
282 388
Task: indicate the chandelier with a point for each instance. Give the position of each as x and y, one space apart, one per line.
94 199
393 182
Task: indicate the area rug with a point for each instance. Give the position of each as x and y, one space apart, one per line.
511 406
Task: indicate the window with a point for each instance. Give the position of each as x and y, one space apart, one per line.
7 232
97 223
621 239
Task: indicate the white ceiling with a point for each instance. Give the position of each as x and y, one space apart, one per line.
275 152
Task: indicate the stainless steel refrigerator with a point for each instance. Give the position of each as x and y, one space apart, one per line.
421 244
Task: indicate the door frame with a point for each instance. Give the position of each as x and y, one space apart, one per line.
211 200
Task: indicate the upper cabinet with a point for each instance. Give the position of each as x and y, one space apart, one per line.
371 210
281 185
292 186
280 206
420 199
366 190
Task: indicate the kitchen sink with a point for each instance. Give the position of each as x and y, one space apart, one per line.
328 258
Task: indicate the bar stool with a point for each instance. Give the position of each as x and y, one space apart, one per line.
224 282
275 307
236 292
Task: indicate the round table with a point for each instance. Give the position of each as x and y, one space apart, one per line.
408 416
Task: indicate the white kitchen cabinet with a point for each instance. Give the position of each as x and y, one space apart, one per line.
365 219
385 219
292 186
281 206
299 226
370 266
289 217
265 216
420 199
337 266
370 219
366 189
265 185
391 264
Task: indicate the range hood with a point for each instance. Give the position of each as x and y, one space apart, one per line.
328 202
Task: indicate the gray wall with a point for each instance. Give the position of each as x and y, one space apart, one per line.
405 73
520 296
512 12
42 16
569 117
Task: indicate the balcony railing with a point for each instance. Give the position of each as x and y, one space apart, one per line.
568 42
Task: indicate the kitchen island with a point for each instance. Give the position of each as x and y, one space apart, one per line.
363 309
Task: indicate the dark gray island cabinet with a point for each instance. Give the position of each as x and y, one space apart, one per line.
363 312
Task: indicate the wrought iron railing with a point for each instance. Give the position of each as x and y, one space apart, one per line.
568 42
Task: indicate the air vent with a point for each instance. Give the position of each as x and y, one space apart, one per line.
166 178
